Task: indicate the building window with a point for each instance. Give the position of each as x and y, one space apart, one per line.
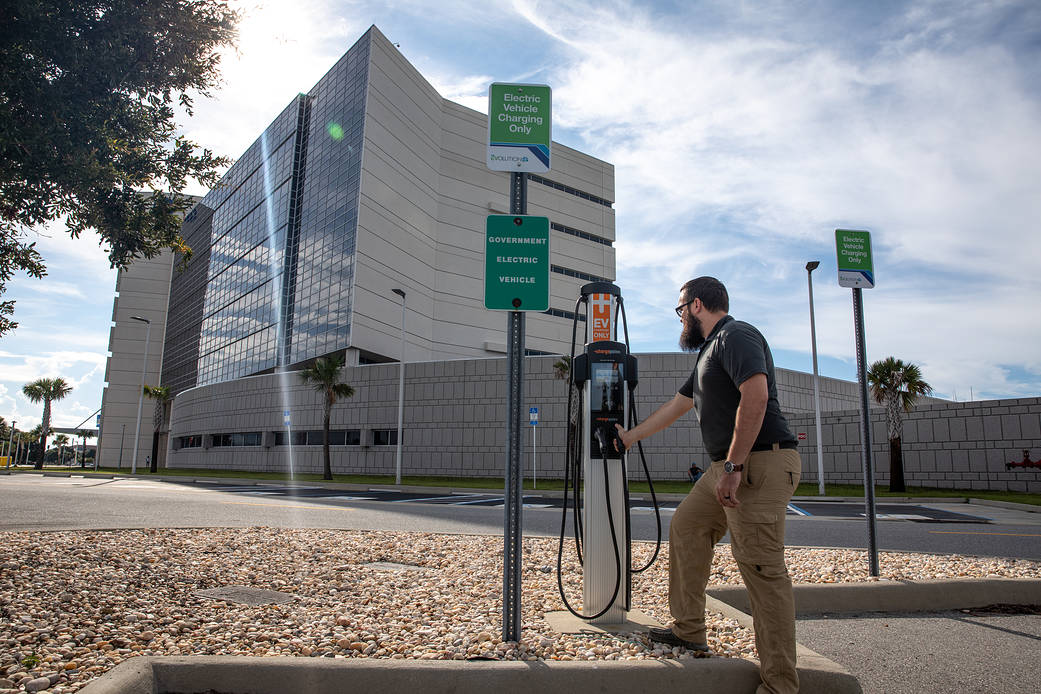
564 314
568 189
337 437
248 438
568 272
580 234
384 437
191 441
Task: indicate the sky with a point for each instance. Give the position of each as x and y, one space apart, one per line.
742 134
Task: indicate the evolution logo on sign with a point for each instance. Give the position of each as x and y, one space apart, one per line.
520 129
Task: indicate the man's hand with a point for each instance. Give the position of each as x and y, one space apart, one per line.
622 433
726 489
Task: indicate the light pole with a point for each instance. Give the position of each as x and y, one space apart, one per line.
401 386
140 391
810 267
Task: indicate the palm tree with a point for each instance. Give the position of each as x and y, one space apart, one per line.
47 390
84 434
324 377
161 395
26 439
897 386
562 372
61 441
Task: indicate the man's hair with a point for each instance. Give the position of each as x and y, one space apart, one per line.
711 292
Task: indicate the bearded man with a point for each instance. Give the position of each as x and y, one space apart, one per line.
755 470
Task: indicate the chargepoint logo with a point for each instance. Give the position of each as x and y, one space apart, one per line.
510 158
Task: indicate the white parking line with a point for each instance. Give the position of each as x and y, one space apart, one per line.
430 498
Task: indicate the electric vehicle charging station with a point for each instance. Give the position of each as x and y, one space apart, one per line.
606 375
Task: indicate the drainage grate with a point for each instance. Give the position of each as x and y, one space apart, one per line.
391 566
246 595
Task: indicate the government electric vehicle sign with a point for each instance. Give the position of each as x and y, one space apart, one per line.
516 267
519 127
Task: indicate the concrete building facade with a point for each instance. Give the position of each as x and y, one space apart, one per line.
454 419
455 414
142 290
368 183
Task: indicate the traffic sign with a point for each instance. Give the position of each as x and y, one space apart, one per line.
516 263
533 415
856 269
285 417
520 129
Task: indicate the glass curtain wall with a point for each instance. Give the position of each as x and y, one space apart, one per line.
269 282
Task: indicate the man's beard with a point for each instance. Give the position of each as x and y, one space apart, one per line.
692 337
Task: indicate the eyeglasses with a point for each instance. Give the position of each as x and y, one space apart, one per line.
682 307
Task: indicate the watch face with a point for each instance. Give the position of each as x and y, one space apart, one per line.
728 466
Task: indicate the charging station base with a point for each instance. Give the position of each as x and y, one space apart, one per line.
563 622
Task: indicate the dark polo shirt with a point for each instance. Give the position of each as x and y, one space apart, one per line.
734 352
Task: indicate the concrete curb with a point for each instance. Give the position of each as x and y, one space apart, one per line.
1029 508
898 596
251 675
816 672
239 675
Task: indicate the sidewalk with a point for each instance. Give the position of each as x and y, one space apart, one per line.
949 651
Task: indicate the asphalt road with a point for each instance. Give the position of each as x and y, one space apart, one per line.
32 502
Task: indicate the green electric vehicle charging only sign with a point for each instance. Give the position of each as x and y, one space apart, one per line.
519 127
516 263
856 269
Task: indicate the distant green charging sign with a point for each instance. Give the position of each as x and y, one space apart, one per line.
516 263
856 268
520 128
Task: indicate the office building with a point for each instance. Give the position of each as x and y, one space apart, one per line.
369 182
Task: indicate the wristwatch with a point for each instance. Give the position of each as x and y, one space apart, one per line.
729 467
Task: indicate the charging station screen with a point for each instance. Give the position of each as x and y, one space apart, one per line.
607 386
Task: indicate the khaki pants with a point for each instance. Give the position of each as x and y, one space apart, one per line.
757 541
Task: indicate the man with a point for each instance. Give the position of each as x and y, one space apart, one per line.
755 469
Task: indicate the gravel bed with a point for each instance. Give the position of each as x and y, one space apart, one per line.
74 604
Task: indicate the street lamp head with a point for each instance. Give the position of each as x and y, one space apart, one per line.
812 265
143 320
399 292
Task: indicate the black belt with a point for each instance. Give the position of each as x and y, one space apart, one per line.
770 446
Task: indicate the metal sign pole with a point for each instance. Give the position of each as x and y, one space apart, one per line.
865 431
512 537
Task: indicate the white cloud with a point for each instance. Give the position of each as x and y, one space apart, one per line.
738 153
284 47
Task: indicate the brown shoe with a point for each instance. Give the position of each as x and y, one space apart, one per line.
667 636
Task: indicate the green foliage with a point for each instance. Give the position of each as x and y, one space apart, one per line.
45 390
562 368
892 378
324 376
897 386
88 95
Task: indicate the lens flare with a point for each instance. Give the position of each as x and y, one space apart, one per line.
275 248
335 131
